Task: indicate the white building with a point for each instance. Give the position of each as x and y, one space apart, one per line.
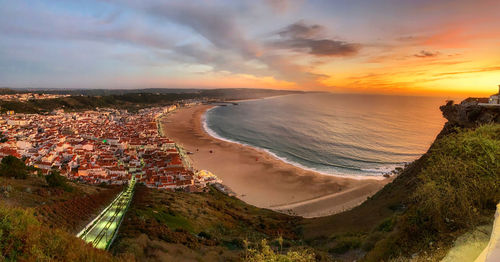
495 99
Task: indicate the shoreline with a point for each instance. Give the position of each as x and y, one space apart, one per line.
357 177
261 179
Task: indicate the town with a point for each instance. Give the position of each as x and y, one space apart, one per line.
22 97
103 146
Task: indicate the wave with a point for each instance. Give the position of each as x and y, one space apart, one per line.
345 136
375 173
374 170
384 170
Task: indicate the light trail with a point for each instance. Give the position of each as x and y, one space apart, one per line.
103 229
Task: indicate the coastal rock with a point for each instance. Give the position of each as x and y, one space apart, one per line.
467 114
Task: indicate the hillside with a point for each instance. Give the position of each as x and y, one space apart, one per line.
211 226
450 191
446 193
130 100
38 222
54 206
24 238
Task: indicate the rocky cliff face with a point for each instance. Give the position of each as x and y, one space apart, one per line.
469 114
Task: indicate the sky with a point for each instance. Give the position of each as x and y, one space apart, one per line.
424 47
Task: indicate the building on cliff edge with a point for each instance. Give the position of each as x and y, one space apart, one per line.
494 99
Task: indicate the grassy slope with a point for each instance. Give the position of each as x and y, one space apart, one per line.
179 226
447 192
33 192
36 222
56 207
23 237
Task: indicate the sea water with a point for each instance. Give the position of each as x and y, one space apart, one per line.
336 134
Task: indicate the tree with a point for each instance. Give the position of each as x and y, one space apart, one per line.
12 166
54 179
3 138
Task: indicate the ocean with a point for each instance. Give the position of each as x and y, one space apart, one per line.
335 134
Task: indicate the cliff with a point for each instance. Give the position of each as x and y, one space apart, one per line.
469 114
449 191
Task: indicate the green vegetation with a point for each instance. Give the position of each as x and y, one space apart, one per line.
6 91
132 101
344 243
174 222
458 189
202 226
38 223
448 192
3 139
386 226
265 253
22 237
451 190
11 166
53 206
54 179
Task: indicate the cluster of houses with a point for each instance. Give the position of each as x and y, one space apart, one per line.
28 96
106 146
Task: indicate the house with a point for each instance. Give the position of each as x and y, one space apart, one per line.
495 99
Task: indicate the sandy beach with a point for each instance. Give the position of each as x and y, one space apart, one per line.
261 179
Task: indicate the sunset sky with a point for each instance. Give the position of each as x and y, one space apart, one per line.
424 47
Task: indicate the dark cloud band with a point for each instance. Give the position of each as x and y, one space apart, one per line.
301 37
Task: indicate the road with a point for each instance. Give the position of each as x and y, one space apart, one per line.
102 230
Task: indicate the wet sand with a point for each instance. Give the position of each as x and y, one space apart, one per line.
261 179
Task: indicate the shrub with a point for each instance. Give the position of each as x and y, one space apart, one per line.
386 225
345 244
54 179
11 166
265 253
235 243
23 238
204 235
3 138
371 240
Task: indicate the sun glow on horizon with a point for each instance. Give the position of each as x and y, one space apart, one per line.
382 46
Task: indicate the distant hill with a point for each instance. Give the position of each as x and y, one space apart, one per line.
106 92
6 91
133 99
